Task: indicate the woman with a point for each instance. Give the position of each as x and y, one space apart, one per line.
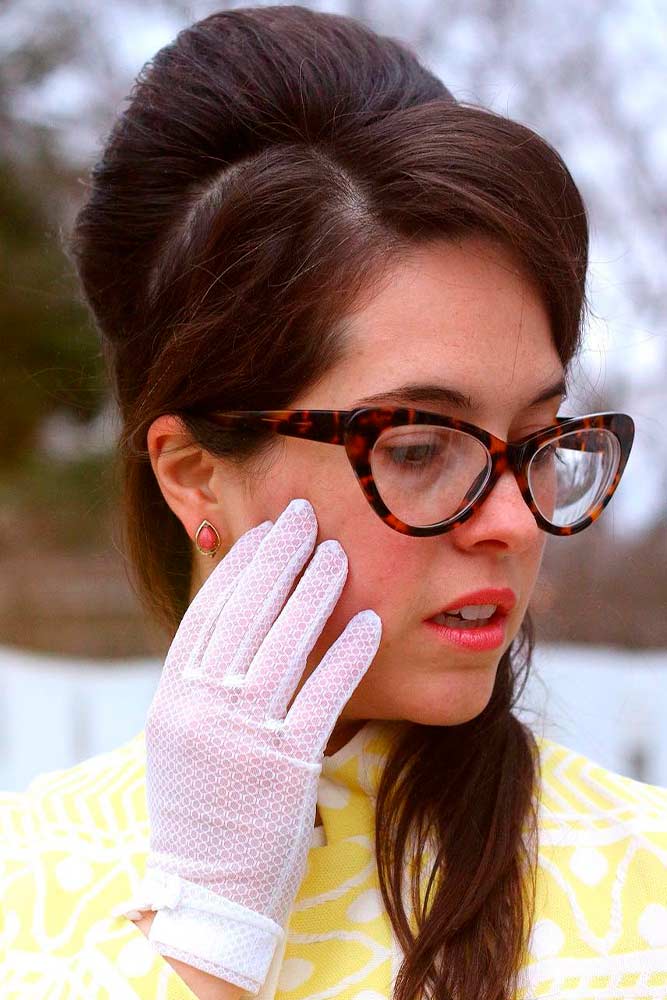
297 238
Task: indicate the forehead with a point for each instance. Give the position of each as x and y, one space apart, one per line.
462 314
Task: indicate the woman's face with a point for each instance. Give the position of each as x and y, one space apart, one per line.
459 315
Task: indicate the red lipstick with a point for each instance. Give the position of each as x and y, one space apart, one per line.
487 635
504 598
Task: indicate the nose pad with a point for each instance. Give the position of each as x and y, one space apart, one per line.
477 483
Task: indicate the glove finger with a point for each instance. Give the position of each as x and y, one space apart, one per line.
254 605
280 660
195 628
317 707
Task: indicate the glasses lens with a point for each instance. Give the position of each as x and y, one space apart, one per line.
569 476
427 474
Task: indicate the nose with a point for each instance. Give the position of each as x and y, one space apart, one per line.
503 517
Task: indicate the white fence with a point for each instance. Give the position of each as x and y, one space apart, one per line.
608 704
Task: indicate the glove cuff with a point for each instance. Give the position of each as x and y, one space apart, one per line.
205 930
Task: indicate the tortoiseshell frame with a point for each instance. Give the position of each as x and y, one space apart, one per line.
358 430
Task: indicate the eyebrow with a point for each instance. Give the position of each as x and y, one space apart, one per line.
435 393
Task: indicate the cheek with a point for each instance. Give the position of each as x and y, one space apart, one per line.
383 568
534 562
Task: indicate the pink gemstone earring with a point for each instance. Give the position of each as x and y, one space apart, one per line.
207 538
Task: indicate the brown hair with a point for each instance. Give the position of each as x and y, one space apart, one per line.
270 164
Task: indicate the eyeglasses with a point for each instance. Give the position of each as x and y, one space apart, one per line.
424 473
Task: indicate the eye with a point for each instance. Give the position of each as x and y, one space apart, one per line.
546 454
411 454
536 428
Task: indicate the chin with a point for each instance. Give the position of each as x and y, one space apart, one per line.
450 708
433 717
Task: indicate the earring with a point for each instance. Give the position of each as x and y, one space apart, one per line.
207 538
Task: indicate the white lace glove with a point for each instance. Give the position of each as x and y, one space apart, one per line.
231 779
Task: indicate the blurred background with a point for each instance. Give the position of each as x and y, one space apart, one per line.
78 661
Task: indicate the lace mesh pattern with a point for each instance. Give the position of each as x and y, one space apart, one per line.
231 774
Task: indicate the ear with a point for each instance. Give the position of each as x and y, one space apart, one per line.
185 474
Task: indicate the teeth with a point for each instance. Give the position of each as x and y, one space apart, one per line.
469 612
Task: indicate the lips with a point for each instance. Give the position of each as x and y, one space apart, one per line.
503 597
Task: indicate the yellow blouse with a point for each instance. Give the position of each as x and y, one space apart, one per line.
74 845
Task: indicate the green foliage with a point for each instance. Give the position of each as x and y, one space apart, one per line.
50 358
64 504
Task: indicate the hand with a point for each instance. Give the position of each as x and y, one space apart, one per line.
231 776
